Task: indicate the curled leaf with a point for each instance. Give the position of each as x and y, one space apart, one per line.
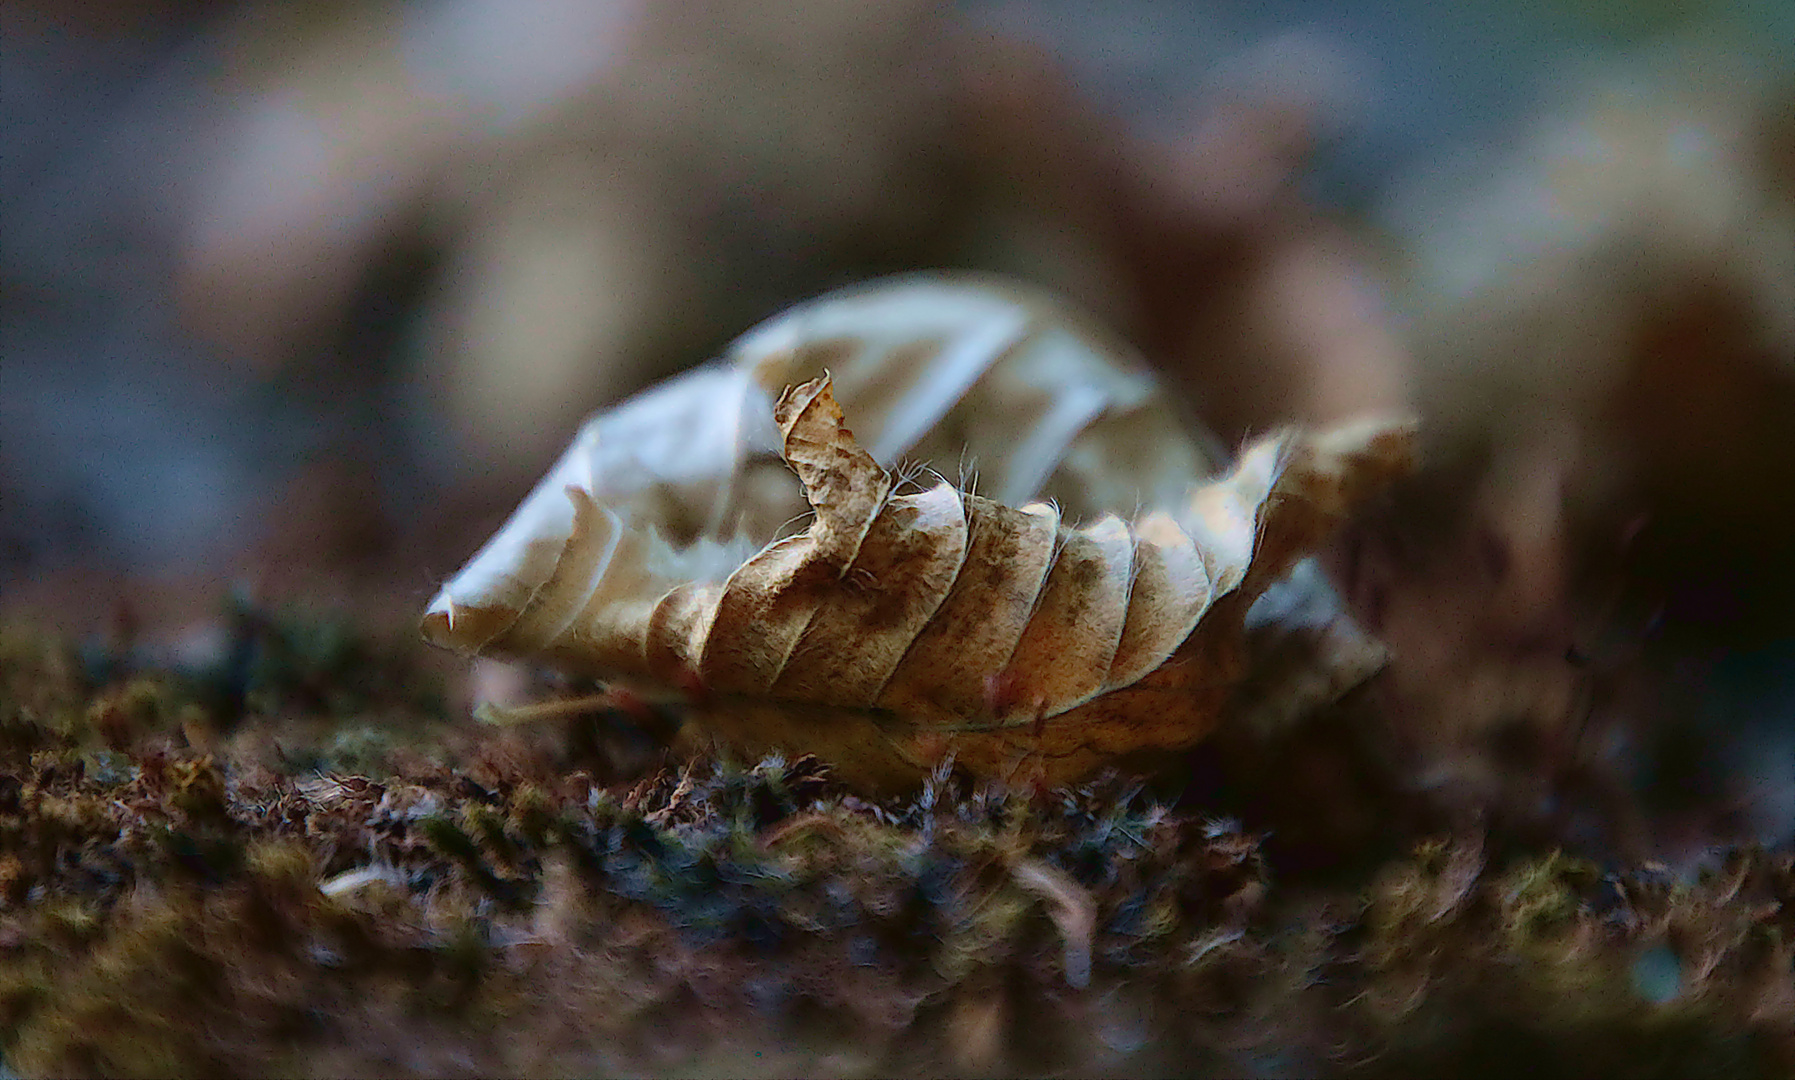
897 628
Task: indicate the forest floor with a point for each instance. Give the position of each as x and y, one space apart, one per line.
283 849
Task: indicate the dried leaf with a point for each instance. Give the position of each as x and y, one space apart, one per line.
898 628
969 374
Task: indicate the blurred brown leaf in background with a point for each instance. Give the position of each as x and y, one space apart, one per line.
671 173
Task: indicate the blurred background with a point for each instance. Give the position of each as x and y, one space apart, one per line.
306 294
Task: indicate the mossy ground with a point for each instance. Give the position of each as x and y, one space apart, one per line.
293 860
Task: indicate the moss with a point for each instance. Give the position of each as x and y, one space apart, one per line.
41 691
1536 967
196 790
491 909
284 659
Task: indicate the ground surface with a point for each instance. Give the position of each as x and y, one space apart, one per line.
283 852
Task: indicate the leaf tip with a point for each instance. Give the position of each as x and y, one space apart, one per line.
460 628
